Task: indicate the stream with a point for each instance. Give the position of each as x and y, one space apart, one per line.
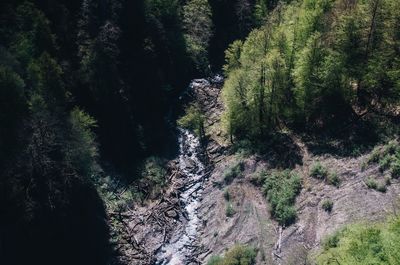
178 250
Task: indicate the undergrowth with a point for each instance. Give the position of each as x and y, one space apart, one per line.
238 254
281 189
363 244
319 171
387 157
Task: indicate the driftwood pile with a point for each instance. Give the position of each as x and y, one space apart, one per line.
144 230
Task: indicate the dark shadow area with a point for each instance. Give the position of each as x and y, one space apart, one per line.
74 233
352 139
277 149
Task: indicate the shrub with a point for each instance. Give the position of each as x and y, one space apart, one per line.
385 163
233 171
193 119
333 179
363 244
237 255
381 188
215 260
363 166
152 175
388 158
227 195
331 241
319 171
327 205
229 211
371 183
281 189
395 172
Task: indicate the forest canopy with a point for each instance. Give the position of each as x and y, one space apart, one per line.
314 64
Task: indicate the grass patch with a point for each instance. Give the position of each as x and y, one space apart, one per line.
232 171
333 179
371 183
237 255
387 157
363 244
327 205
281 189
375 185
319 171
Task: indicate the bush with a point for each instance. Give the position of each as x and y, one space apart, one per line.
381 188
371 183
237 255
319 171
385 162
193 119
388 158
333 179
327 205
215 260
363 244
229 211
281 189
227 195
331 241
152 174
233 171
395 172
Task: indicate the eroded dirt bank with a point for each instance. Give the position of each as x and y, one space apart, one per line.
152 226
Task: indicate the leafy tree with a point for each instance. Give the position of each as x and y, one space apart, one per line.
82 150
232 56
198 31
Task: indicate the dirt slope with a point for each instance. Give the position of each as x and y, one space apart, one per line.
146 227
252 223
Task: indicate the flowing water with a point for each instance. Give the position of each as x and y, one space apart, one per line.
178 249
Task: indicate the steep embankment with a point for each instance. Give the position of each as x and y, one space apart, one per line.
251 222
228 212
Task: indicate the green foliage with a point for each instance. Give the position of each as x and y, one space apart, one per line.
332 241
281 189
388 158
82 150
198 31
371 183
333 179
152 176
310 64
232 56
215 260
227 195
319 171
327 205
237 255
233 171
193 119
363 244
396 169
229 211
